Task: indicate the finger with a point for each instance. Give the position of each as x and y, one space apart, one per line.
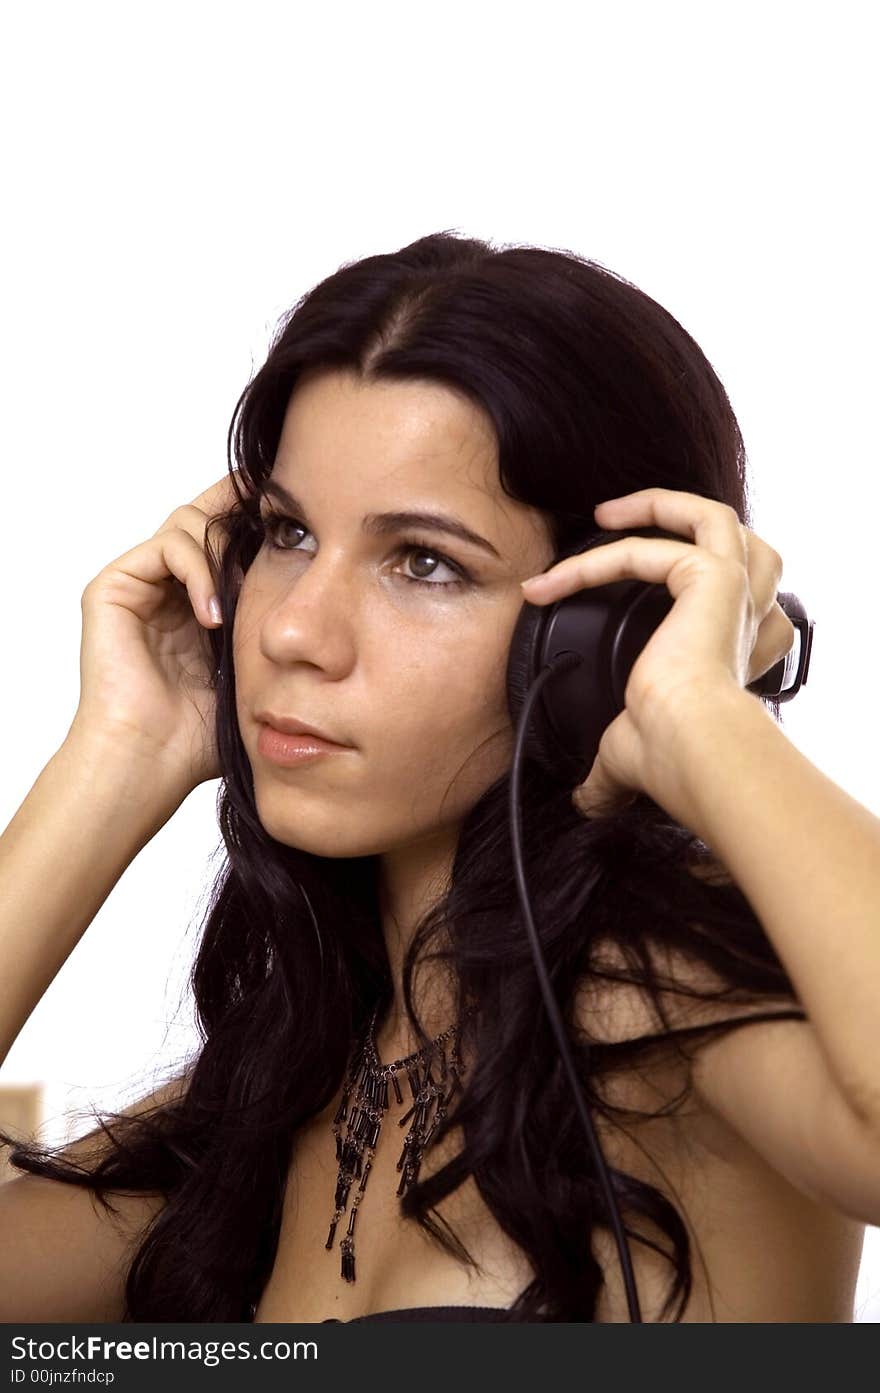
613 780
775 631
775 638
764 566
642 558
194 521
174 554
713 525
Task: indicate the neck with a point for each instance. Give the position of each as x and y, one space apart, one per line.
410 882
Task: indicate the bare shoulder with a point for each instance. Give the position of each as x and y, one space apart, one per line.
667 1116
760 1089
71 1257
612 1010
729 1128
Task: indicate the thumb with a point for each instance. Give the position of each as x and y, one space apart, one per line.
610 785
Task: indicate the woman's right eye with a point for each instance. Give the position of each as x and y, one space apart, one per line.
271 522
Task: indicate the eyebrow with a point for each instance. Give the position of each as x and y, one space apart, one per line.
379 524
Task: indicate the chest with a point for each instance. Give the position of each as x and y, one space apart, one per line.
396 1263
760 1251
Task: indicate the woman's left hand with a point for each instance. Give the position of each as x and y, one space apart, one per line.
724 630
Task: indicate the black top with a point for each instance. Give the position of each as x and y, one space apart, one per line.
467 1313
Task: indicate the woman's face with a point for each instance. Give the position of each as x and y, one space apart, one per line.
334 628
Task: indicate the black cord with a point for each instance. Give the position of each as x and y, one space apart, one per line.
564 661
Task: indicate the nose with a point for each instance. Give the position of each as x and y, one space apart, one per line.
312 618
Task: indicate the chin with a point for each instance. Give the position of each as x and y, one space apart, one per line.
318 836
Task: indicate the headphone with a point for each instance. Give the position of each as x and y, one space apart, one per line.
567 669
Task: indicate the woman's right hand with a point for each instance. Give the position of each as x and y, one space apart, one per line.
145 658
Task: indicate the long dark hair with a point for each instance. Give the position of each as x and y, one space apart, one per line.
594 391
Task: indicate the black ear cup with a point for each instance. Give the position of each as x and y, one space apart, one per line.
785 679
606 627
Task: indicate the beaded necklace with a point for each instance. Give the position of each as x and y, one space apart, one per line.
367 1081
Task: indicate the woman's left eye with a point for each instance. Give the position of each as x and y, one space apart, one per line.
271 522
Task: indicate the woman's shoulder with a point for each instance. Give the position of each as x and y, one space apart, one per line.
71 1253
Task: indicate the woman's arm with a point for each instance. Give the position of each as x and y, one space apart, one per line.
807 857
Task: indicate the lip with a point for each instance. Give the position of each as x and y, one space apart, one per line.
290 751
289 725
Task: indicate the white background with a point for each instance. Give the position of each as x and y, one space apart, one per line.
176 175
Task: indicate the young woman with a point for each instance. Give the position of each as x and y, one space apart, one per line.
431 428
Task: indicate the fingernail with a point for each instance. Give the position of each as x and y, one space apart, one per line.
536 583
214 609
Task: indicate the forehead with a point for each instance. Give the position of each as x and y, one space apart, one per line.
383 445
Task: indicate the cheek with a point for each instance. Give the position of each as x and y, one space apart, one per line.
238 647
445 706
246 622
